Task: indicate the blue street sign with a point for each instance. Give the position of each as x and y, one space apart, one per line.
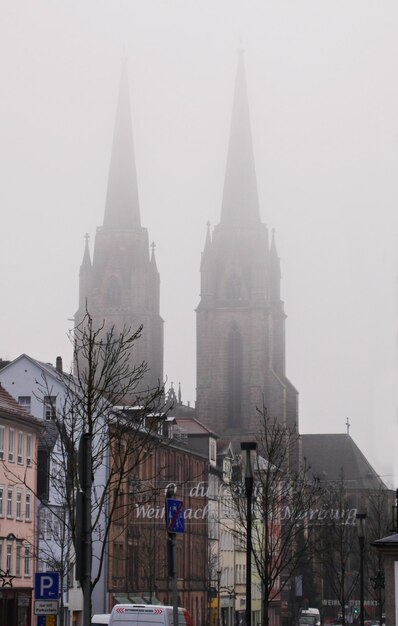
41 620
47 586
174 516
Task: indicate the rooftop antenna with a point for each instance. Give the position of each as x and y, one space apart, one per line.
347 423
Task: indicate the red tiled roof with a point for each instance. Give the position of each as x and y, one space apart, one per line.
9 407
193 426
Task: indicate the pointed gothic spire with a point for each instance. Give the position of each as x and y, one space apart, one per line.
85 276
153 258
122 209
86 262
240 198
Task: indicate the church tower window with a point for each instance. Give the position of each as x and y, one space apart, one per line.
234 373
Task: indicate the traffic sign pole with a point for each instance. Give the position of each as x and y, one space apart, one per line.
174 524
47 593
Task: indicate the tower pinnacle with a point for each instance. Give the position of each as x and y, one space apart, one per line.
122 209
240 199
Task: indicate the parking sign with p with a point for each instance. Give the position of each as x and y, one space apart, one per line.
47 586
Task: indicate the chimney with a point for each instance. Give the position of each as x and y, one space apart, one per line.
58 364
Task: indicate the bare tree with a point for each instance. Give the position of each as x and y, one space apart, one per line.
115 421
55 552
337 544
378 505
285 493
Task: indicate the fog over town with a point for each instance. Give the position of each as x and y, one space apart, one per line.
322 81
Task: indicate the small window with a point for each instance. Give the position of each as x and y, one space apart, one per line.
11 445
20 448
42 523
1 553
50 408
28 449
18 512
9 556
28 507
9 502
1 502
27 559
24 401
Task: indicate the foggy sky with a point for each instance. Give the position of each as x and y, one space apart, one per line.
323 92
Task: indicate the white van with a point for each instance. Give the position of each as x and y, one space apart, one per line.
99 620
310 616
147 615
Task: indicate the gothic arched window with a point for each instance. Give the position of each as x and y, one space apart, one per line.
234 373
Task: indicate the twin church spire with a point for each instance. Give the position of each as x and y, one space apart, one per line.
240 317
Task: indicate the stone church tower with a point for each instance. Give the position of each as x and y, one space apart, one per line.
121 286
240 317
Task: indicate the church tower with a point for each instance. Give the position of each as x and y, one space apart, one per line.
240 317
121 285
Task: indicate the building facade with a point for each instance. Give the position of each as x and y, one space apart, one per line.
351 486
40 388
138 544
19 433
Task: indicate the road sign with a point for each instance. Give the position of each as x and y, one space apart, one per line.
47 586
46 620
174 515
46 607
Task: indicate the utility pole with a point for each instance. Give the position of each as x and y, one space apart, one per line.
83 524
248 447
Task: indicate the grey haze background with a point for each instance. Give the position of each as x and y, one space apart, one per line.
323 90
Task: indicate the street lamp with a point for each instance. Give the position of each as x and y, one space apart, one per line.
248 447
361 518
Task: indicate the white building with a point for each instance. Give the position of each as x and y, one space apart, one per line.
40 388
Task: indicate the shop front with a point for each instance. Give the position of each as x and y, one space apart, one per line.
16 606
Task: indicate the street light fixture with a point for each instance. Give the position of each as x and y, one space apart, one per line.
248 448
361 519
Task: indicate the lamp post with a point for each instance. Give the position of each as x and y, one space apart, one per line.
248 447
361 517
